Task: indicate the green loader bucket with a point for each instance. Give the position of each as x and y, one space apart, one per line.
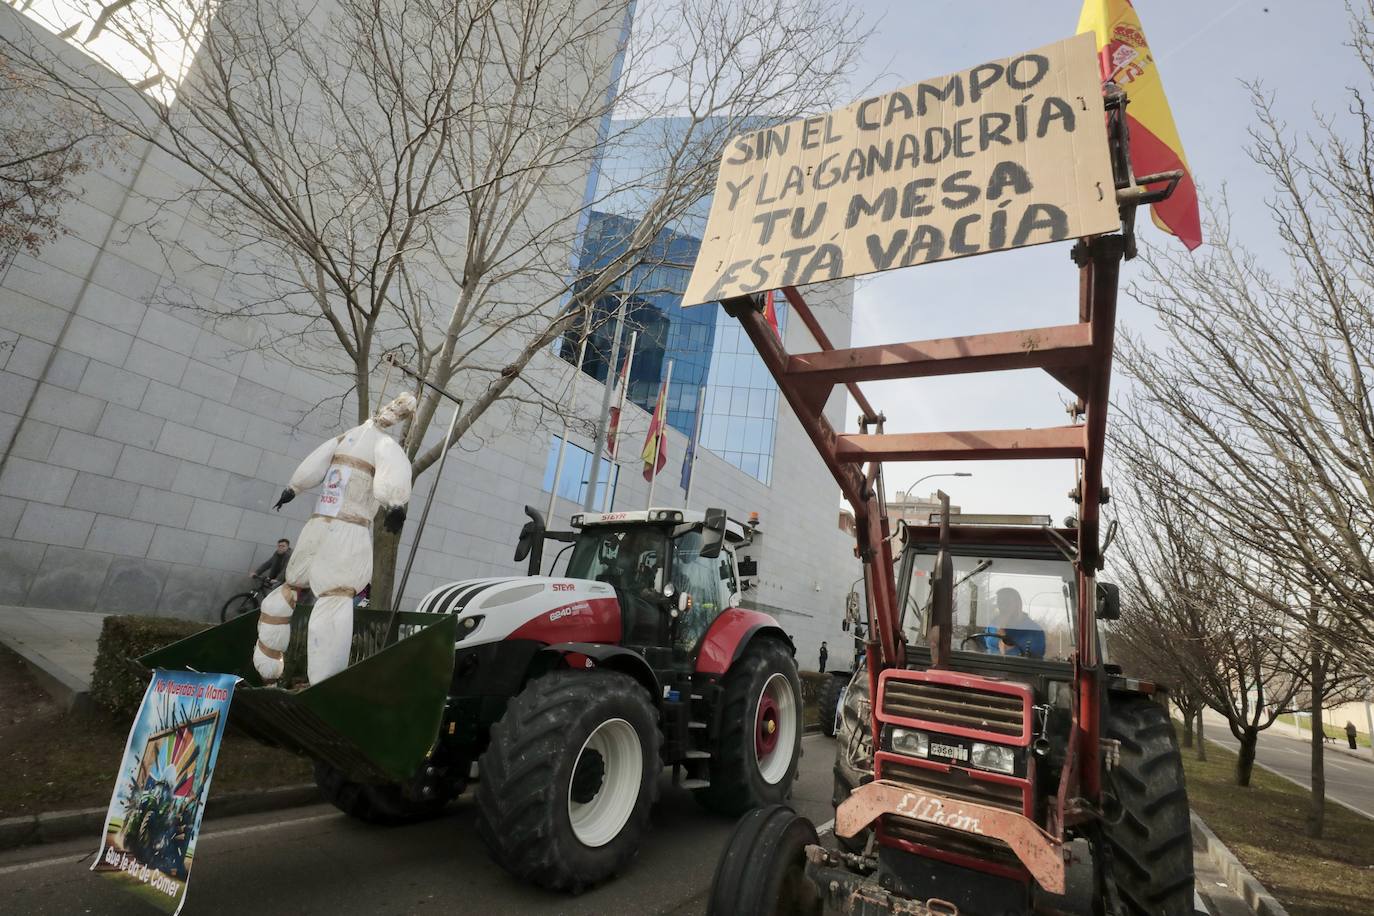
376 721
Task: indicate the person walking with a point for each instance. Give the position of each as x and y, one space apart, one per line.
1350 733
274 567
825 653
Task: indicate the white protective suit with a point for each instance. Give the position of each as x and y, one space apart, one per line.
361 470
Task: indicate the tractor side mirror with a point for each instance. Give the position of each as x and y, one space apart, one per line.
748 567
713 534
531 542
1108 601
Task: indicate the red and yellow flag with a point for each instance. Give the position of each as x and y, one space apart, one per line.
655 451
1155 147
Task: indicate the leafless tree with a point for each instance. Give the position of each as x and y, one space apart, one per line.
1185 613
43 149
409 175
1257 409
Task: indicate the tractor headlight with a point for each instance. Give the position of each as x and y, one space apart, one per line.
911 743
993 757
468 625
669 591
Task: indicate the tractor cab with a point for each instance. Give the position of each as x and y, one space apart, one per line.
673 571
1013 594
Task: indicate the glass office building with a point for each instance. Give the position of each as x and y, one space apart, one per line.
706 347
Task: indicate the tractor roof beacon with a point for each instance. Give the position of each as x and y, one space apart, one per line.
990 743
564 695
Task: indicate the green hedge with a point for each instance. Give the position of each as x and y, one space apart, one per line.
118 681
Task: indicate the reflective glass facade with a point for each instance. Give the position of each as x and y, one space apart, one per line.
577 470
706 346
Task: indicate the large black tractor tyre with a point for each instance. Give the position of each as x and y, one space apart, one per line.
1149 833
842 790
753 763
568 779
375 804
828 703
762 869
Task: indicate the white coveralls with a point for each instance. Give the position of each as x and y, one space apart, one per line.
361 470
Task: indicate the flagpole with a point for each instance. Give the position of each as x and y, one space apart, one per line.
620 422
603 418
696 444
662 429
563 439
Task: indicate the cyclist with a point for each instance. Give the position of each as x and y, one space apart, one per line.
274 567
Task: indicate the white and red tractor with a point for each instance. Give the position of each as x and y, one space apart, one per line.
572 692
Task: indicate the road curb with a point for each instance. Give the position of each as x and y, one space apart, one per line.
56 826
1245 884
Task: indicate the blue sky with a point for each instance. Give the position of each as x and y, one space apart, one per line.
1205 50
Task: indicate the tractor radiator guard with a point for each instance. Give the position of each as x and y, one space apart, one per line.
1041 855
376 721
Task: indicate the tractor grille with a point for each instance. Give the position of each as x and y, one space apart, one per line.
955 784
942 704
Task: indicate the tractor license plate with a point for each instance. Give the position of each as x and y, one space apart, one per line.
950 751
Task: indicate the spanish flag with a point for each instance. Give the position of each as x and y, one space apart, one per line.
1155 147
655 451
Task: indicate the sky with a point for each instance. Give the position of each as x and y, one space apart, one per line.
1206 50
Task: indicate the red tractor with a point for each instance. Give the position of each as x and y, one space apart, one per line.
995 739
570 693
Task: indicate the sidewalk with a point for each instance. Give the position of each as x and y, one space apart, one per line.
1215 724
58 645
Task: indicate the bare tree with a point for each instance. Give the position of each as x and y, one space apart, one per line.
1201 608
409 174
1266 373
43 148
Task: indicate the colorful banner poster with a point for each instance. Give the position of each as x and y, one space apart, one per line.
150 831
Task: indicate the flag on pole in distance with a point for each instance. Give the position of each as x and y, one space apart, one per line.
770 312
1125 59
655 451
613 429
690 456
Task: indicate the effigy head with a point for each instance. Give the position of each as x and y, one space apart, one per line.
397 410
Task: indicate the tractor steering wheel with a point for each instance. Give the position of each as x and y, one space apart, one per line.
983 635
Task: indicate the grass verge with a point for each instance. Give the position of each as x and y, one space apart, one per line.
1263 825
54 761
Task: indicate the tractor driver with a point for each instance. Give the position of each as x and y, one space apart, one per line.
1014 632
635 577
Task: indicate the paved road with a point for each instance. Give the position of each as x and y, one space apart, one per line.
1349 780
317 861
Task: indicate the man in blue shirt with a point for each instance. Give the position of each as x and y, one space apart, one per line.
1014 631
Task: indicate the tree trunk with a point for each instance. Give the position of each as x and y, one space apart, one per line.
1201 738
1187 726
385 547
1245 762
1316 812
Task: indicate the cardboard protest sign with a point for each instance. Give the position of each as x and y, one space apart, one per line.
1006 154
150 832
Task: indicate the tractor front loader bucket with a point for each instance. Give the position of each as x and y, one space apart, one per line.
376 721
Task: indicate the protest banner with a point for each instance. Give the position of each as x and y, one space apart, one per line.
149 841
1006 154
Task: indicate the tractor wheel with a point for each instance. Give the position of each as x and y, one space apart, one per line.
376 804
843 788
828 703
762 870
1151 840
758 732
568 779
